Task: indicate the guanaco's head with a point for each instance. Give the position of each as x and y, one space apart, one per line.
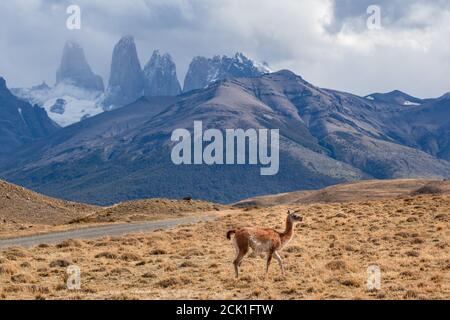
294 217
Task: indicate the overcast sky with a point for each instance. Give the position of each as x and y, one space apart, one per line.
326 42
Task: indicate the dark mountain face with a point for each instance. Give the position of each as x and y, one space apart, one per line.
326 137
426 127
160 75
75 70
204 71
126 82
20 123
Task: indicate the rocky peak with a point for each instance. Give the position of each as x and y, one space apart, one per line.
75 70
126 82
240 66
204 71
160 76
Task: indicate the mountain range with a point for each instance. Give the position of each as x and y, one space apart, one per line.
326 137
79 93
76 93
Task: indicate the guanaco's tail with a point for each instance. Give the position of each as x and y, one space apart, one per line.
229 233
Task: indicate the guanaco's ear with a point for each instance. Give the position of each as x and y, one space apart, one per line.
289 212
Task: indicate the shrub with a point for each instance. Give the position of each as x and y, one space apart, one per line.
336 265
427 190
130 257
59 263
158 252
107 255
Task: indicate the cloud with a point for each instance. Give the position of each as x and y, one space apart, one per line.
325 41
396 13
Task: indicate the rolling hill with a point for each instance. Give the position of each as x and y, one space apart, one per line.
355 191
19 205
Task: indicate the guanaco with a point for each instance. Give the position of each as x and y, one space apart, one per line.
263 241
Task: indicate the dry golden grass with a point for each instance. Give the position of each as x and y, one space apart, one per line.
353 191
327 259
24 212
149 209
20 208
15 229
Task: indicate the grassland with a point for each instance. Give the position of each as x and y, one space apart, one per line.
408 238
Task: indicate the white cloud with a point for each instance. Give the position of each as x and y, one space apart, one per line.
325 41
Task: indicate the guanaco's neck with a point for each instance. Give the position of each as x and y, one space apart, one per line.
287 235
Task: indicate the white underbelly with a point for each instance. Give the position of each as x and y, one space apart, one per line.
259 245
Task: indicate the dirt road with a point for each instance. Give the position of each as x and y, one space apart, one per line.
102 231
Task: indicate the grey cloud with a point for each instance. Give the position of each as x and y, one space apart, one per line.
393 13
302 35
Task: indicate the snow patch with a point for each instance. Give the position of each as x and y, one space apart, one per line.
269 117
78 103
21 114
75 110
409 103
262 67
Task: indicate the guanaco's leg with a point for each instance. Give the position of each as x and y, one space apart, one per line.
269 258
241 250
280 261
